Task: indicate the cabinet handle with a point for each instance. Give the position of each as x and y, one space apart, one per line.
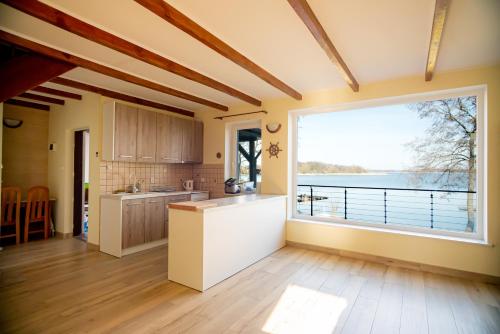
130 204
153 201
126 156
146 157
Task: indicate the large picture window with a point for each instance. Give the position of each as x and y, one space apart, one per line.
412 163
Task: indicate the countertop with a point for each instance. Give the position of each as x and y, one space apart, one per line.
124 196
219 203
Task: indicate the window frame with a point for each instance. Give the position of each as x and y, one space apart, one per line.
480 91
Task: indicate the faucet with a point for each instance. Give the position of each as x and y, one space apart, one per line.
135 187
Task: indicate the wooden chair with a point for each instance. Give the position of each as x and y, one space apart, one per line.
11 213
37 211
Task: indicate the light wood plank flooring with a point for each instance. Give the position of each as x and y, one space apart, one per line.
57 286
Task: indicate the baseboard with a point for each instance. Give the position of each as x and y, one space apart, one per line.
61 235
92 247
401 263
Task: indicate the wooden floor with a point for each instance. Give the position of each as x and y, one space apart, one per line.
57 286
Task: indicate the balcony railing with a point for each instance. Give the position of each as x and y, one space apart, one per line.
452 210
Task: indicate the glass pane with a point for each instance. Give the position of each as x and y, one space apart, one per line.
249 155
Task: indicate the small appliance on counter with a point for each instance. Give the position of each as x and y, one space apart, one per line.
231 186
188 185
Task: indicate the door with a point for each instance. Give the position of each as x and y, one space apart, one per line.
155 221
146 136
169 139
198 142
78 188
133 223
187 140
125 133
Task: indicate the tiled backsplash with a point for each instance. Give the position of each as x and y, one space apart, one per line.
117 175
211 178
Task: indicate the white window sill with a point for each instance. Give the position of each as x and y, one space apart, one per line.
479 242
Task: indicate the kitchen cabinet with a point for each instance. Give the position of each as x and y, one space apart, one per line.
169 139
146 136
133 223
135 134
198 142
173 199
119 132
155 221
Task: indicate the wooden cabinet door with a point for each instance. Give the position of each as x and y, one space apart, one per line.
155 219
187 140
146 135
125 133
168 139
133 220
198 142
172 199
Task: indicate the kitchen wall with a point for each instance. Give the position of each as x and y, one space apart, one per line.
451 254
209 177
25 151
116 175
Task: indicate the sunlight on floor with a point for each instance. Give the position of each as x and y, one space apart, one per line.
303 310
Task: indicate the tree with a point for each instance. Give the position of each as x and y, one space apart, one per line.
449 146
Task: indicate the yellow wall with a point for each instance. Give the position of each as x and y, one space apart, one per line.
25 154
63 121
457 255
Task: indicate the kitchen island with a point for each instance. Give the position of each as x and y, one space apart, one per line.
212 240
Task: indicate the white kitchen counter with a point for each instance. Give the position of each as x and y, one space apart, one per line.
149 194
212 240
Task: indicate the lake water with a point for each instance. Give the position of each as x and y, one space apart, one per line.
397 207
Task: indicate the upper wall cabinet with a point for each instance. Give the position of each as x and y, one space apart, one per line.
119 132
169 139
146 136
133 134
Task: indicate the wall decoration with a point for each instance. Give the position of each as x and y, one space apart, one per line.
273 127
274 150
218 155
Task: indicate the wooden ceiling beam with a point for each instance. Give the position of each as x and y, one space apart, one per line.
307 16
184 23
56 92
120 96
24 72
69 23
440 10
42 98
90 65
27 104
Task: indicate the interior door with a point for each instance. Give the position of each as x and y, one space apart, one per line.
78 187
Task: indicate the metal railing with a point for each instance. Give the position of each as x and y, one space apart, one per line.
453 210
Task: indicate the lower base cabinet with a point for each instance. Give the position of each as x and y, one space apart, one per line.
133 223
154 213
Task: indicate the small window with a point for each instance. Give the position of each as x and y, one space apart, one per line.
416 165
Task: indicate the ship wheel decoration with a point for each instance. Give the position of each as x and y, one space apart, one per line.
274 150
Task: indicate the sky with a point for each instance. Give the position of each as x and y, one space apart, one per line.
373 138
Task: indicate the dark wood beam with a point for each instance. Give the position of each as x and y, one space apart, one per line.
90 65
120 96
307 16
438 22
42 98
22 73
56 92
69 23
27 104
181 21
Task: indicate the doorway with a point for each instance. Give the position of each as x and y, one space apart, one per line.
81 184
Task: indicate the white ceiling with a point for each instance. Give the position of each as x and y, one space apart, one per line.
378 40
